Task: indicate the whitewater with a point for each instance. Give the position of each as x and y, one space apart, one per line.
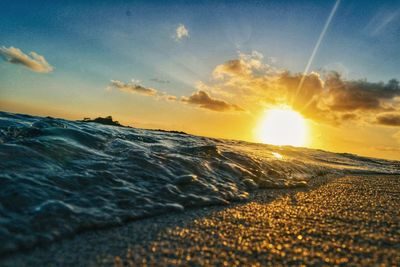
61 177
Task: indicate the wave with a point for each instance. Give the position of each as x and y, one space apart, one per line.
60 177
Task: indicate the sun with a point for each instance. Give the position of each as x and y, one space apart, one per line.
282 126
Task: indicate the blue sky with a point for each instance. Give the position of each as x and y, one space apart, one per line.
96 41
91 43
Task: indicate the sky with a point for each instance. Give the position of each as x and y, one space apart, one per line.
210 68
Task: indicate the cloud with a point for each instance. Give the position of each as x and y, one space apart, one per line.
135 88
181 32
361 94
348 116
34 62
332 98
389 119
170 97
204 100
254 86
243 66
132 87
159 80
199 98
167 97
325 97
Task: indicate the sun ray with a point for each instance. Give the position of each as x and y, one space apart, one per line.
316 47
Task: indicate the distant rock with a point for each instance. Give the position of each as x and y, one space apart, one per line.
167 131
106 121
109 121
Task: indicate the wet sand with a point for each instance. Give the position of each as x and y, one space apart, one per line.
352 220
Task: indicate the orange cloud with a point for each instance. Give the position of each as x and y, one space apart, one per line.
389 119
254 85
244 66
326 98
199 98
132 87
203 100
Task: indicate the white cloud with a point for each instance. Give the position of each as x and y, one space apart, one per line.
35 62
181 32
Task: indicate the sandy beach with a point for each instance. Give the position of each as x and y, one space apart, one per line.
351 220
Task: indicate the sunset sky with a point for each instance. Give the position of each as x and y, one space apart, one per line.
210 68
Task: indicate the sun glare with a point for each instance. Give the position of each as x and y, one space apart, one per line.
282 126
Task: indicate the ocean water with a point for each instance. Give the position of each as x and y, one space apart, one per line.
60 177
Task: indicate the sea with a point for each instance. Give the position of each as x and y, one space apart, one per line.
60 177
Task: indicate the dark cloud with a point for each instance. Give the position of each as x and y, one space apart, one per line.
348 116
389 119
325 97
199 98
132 87
360 95
33 61
335 99
307 97
203 100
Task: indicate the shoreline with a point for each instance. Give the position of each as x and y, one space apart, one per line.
347 220
177 131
